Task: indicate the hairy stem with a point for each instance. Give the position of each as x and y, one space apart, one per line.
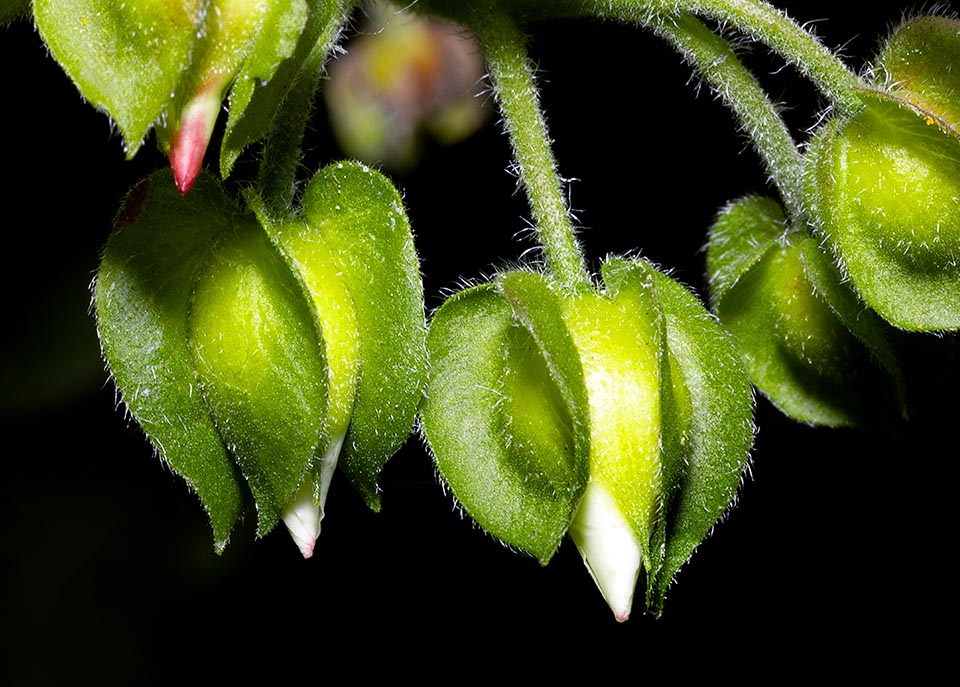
761 21
712 56
513 83
755 18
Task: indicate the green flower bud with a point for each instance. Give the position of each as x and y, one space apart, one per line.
921 64
884 183
806 341
621 416
171 63
252 351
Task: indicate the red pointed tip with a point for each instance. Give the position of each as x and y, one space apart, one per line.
190 141
186 156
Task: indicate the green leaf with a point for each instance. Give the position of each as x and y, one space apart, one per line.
281 73
359 215
473 339
260 360
142 297
720 430
125 57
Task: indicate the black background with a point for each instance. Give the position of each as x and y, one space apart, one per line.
839 549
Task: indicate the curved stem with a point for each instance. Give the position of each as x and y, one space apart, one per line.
796 45
712 56
761 21
512 74
756 18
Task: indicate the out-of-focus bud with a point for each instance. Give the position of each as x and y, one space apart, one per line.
402 78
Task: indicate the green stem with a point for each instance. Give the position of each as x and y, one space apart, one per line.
755 18
512 74
763 22
712 56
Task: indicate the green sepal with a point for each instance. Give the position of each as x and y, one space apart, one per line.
474 337
884 186
259 357
537 305
13 9
887 391
630 284
297 38
742 233
712 404
360 216
125 57
920 63
142 297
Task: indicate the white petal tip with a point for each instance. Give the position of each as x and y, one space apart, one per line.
609 548
302 518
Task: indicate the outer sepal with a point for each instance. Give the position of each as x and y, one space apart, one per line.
358 213
142 296
280 71
707 404
512 474
125 57
259 358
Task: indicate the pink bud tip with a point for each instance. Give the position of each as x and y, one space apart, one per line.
186 154
190 140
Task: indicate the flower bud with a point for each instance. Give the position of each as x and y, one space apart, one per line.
621 416
170 64
252 350
223 43
884 182
807 343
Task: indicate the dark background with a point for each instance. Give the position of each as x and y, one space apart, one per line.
839 548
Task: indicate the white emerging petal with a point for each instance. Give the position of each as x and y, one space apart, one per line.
303 514
609 548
